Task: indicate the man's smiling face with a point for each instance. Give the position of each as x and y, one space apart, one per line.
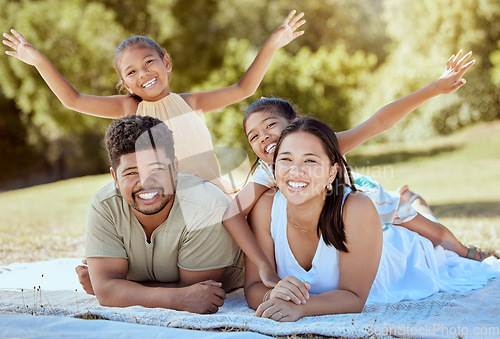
146 180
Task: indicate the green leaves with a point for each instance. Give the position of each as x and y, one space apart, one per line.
354 57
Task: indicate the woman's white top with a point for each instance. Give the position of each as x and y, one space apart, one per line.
410 267
324 273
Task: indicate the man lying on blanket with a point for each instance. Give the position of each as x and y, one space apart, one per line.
155 237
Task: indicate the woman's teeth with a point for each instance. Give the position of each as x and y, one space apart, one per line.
295 184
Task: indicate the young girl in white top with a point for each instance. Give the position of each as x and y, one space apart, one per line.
316 228
265 120
144 67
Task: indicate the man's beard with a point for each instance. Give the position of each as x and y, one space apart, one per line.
152 210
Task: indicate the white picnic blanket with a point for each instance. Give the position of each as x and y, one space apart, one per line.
51 289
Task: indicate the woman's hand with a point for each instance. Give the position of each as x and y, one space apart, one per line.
287 30
451 79
279 310
22 49
291 289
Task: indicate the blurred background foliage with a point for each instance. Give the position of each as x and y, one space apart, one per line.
355 57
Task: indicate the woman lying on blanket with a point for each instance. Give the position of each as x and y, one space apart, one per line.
323 248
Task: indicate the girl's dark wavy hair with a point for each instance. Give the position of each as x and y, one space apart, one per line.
137 133
276 106
330 223
137 41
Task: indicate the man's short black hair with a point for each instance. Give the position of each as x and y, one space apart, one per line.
137 133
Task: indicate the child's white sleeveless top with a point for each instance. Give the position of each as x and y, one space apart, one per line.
324 273
193 143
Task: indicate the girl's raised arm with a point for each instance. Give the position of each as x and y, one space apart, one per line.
387 116
236 223
212 100
108 107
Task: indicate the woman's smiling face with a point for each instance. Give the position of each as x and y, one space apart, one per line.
303 169
263 130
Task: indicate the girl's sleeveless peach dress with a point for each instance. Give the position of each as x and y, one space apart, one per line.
192 141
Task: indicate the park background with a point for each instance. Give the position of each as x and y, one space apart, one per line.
355 57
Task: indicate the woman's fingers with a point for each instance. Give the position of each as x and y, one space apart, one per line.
301 286
294 288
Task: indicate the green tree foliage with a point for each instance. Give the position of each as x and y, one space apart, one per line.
62 30
355 57
319 84
425 34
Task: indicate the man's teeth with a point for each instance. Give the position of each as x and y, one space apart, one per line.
149 83
270 147
147 196
297 184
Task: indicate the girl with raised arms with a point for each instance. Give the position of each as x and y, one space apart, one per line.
144 67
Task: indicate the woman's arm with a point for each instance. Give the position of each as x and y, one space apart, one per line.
208 101
108 107
358 268
387 116
236 223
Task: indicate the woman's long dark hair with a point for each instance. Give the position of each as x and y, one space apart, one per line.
330 223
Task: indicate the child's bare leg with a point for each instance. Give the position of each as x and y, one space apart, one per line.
416 201
437 233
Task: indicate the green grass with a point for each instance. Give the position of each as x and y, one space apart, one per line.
46 221
459 175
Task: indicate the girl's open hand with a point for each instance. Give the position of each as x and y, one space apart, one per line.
291 289
288 29
451 80
22 49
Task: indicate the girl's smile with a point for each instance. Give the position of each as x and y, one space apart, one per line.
144 73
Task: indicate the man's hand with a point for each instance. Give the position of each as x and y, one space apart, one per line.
204 297
83 276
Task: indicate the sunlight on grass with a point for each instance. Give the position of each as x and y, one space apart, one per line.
458 176
46 221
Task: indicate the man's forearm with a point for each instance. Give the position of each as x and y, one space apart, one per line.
124 293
